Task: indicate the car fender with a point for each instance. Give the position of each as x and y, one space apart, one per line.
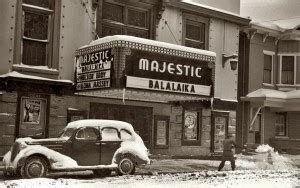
55 159
127 148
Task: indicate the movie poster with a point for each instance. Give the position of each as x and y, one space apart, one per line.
32 111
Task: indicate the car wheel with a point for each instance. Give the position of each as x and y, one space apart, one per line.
102 172
34 167
126 166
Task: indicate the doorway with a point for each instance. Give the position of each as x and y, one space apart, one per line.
139 117
219 130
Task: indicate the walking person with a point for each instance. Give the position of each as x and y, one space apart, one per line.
228 145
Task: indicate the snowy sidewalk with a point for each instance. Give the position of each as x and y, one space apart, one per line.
164 166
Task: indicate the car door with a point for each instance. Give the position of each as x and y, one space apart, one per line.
109 144
86 146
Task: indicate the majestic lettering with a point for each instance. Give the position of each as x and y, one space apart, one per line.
171 68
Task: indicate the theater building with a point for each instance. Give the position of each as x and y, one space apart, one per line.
167 67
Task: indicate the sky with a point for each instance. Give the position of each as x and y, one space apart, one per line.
270 10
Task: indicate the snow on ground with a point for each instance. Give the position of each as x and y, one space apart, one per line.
234 179
266 169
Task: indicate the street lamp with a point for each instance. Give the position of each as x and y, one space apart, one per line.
233 60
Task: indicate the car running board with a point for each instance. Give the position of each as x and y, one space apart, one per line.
80 168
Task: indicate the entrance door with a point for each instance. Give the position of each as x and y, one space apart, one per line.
257 129
219 130
138 116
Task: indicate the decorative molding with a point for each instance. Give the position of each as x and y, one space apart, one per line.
265 36
251 34
144 47
276 40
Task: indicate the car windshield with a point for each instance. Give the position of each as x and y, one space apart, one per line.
67 133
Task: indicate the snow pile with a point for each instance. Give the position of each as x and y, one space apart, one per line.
264 148
265 159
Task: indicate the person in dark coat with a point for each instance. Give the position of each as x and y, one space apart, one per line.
228 145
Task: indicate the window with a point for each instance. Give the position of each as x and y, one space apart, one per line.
287 69
191 128
195 31
281 124
37 24
110 134
124 18
268 68
125 135
87 134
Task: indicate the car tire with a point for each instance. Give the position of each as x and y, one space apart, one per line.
34 167
102 172
126 166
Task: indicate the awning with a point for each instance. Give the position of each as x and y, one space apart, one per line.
145 96
286 100
15 81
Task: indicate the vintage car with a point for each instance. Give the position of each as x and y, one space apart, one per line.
102 146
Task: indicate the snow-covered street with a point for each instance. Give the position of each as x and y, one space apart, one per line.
239 178
261 170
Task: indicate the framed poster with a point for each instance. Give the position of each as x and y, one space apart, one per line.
161 131
190 125
31 111
32 116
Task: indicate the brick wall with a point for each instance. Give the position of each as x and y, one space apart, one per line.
8 106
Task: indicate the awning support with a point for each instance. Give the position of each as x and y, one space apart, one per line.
255 115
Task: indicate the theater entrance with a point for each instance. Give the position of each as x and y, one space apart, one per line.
140 117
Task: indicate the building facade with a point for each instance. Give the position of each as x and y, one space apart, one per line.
269 87
169 80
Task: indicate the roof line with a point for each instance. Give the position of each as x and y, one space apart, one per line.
211 12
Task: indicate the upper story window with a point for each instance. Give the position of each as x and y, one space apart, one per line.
268 67
288 70
124 18
195 31
37 27
281 124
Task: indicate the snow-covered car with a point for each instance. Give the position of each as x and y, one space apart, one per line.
102 146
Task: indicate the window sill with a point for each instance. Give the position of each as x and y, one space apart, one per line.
287 87
268 85
36 70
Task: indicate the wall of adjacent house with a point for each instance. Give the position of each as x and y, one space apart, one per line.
7 29
256 60
76 30
293 125
223 38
